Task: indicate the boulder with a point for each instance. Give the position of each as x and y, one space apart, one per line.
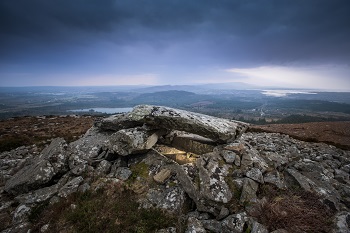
212 175
38 196
70 187
250 187
169 199
103 168
123 173
194 226
255 174
229 156
258 228
217 129
51 163
234 223
133 141
117 122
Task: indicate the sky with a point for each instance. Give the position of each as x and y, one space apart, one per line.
282 43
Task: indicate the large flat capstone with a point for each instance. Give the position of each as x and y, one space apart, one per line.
217 129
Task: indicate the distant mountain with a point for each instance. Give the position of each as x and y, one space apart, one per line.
188 88
169 98
200 88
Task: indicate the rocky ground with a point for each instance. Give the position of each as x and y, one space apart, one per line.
334 133
159 169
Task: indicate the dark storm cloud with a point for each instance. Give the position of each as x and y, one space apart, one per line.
223 32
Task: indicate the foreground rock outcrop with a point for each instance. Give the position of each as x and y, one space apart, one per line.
208 172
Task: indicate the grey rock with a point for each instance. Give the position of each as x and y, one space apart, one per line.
133 141
169 199
274 177
346 168
45 228
162 176
255 174
250 187
194 226
247 160
224 212
342 222
103 167
21 214
236 147
341 176
229 156
51 162
70 187
123 173
199 215
258 228
168 118
84 187
237 161
89 146
212 225
117 122
79 169
38 196
191 142
234 223
279 231
212 179
167 230
300 179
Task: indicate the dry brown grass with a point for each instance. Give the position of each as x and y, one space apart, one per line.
111 209
25 131
296 211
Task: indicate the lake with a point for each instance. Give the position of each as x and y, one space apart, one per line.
103 110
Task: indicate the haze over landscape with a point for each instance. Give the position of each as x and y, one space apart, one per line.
288 44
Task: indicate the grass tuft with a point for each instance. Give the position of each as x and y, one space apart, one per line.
112 209
293 210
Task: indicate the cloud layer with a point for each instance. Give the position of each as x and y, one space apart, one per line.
172 40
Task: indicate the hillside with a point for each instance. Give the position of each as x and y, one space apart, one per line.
159 169
334 133
26 131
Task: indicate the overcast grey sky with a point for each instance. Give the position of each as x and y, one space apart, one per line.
290 43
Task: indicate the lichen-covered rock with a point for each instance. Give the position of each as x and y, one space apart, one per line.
21 214
123 173
255 174
51 162
218 129
258 228
170 199
250 187
37 196
275 178
103 168
342 222
11 161
70 187
234 223
229 156
212 179
133 141
213 190
117 122
194 226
